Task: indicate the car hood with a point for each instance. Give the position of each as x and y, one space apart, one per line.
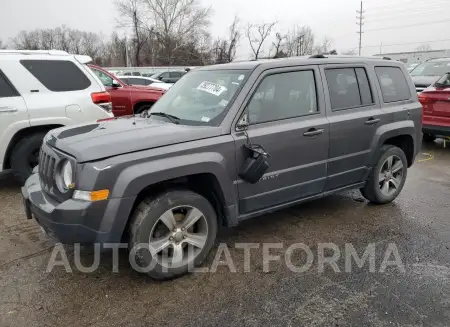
122 135
424 80
148 88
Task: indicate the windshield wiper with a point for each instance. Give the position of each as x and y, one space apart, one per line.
172 118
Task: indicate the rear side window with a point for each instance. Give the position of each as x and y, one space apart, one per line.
57 75
393 84
137 81
175 74
348 87
7 90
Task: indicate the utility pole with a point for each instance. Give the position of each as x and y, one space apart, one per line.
360 23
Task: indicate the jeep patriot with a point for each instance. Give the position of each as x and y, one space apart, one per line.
227 143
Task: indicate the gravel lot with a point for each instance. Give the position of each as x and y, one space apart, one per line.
418 223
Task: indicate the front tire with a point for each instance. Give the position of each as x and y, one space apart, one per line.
388 176
171 232
25 156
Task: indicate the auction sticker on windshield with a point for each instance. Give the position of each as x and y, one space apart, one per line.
212 88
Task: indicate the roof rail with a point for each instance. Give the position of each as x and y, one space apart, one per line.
32 52
325 55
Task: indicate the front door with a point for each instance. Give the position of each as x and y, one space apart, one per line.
287 118
355 114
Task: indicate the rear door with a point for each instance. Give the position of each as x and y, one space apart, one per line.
287 117
13 113
354 113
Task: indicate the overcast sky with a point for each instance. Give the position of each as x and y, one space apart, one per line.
417 21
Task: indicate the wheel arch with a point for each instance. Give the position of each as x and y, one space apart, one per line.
401 134
21 134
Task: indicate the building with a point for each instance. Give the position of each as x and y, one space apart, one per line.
416 56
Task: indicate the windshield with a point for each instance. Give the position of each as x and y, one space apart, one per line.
202 97
437 68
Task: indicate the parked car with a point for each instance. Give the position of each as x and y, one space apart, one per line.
436 109
429 72
144 81
169 76
227 143
127 99
412 66
39 91
131 74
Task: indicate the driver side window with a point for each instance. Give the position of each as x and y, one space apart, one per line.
106 80
282 96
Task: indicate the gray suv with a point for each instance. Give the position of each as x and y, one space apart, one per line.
227 143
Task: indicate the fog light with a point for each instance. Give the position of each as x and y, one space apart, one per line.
91 196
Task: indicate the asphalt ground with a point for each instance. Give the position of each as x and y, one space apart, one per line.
414 291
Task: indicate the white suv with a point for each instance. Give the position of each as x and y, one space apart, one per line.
40 91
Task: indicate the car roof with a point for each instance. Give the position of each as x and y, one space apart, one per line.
296 61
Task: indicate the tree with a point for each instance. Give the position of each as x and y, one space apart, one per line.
257 35
424 47
131 13
224 49
300 41
2 45
351 52
176 24
279 46
324 47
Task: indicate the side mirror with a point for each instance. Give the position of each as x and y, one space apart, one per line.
115 84
160 78
243 122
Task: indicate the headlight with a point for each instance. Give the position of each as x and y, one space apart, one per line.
66 177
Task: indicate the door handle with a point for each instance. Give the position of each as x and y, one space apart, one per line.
313 132
8 109
372 121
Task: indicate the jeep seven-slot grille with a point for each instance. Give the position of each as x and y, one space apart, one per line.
47 165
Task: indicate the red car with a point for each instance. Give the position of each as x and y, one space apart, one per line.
436 109
127 99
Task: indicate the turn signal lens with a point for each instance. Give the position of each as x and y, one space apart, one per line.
91 196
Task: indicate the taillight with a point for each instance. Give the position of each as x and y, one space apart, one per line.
101 97
103 100
423 98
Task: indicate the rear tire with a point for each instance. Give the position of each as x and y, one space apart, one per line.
162 224
427 137
385 183
25 155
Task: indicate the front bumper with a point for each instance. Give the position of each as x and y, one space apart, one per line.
74 221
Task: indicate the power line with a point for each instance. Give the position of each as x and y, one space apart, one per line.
408 3
360 23
409 43
413 14
405 26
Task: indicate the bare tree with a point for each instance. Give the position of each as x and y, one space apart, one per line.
351 52
257 35
177 23
324 46
2 45
131 12
424 47
300 41
224 50
279 46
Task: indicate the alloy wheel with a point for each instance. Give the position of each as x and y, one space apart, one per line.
391 175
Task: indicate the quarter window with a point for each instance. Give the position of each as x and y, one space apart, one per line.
284 95
348 87
57 75
6 88
393 84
